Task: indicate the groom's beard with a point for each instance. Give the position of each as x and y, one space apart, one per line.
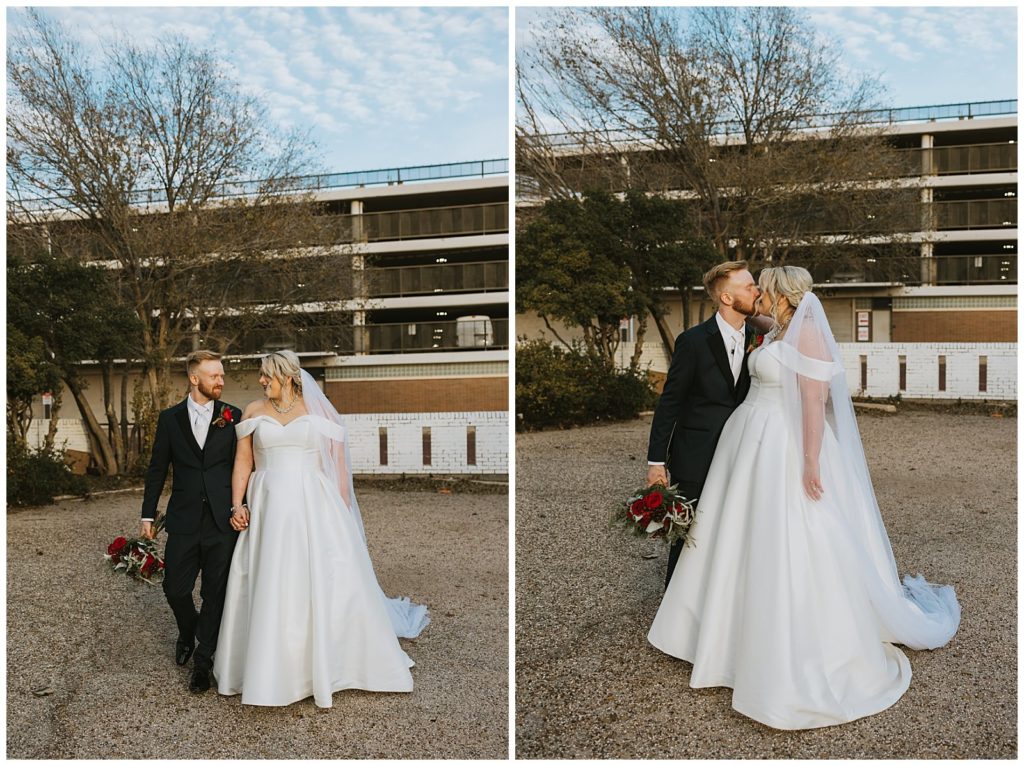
210 393
748 310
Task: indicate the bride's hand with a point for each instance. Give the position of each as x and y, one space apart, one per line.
812 480
239 518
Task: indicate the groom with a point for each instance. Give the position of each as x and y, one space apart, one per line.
197 437
706 381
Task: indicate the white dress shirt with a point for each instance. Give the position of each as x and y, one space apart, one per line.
733 346
734 350
199 416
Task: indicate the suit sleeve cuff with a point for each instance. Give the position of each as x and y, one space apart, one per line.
652 462
145 519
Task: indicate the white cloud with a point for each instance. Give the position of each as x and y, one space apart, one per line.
356 75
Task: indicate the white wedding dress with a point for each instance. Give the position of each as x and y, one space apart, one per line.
304 614
795 604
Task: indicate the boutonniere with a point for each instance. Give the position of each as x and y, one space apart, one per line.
757 341
224 418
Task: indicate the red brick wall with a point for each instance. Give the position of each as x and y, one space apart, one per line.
420 395
954 326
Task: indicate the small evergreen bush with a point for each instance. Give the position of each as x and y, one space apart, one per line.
559 387
36 477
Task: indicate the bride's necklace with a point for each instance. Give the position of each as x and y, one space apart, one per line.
778 329
287 409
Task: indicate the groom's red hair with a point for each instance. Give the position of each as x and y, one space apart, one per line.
196 358
718 274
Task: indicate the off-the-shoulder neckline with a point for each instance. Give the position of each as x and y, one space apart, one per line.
272 419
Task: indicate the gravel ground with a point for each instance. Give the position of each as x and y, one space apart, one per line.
104 645
588 685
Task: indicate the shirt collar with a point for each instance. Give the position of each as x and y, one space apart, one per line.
200 409
727 329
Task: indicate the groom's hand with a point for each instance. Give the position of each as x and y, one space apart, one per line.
656 474
147 530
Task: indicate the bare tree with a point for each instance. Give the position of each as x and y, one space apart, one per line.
743 114
157 165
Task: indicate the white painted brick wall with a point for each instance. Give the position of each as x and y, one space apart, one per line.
448 447
70 434
922 368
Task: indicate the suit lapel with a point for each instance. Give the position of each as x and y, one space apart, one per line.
186 427
717 345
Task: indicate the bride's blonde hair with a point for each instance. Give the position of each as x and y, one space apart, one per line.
283 365
789 282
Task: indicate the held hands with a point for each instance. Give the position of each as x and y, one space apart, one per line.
239 518
812 480
656 474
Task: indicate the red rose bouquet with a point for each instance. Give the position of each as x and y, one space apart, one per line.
138 557
657 511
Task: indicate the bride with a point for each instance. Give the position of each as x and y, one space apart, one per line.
790 594
303 615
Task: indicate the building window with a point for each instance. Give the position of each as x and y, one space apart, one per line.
626 330
903 373
383 437
942 373
863 373
470 445
426 445
983 373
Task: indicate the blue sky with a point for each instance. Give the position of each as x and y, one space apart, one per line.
924 55
378 87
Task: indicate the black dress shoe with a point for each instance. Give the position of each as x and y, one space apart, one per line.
183 650
200 681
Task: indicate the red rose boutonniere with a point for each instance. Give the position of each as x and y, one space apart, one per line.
225 418
758 340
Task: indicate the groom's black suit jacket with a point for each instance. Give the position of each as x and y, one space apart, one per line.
200 474
698 397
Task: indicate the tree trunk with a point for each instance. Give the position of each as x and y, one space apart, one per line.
124 415
687 297
553 332
101 451
17 424
51 431
668 341
113 427
638 347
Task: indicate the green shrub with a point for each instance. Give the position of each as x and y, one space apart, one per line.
557 387
35 478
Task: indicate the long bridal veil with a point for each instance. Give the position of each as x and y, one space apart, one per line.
335 456
407 618
916 613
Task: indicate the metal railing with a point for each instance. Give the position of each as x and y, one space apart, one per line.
420 223
332 340
322 182
933 113
415 337
963 160
975 269
871 271
477 277
975 214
